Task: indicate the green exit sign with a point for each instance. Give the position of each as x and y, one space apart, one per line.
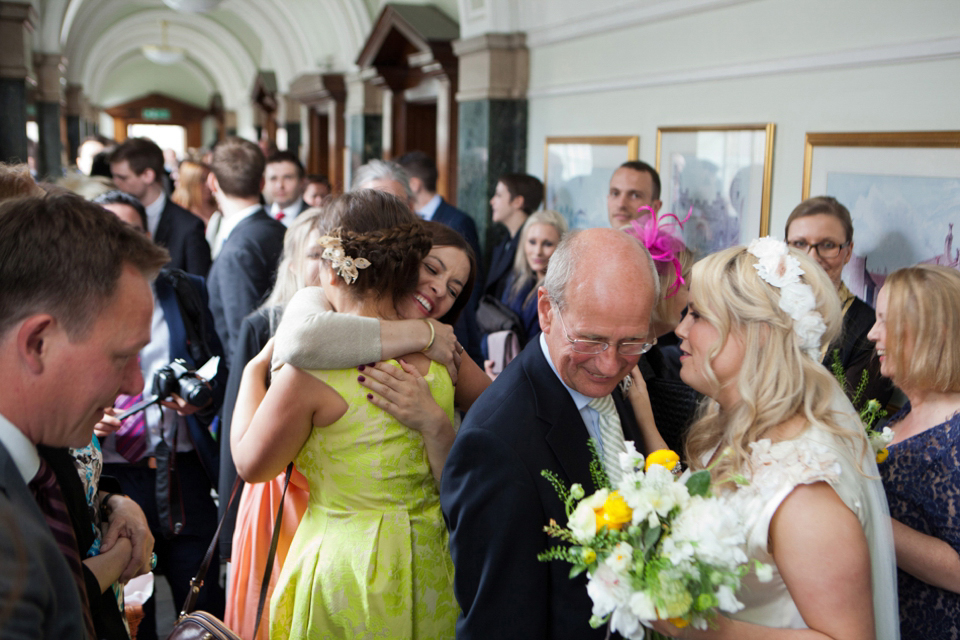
156 113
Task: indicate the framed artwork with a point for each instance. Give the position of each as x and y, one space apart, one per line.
724 174
903 193
577 174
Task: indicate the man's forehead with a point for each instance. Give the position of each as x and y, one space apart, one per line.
282 167
631 178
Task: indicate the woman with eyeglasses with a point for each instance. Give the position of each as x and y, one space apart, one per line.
822 228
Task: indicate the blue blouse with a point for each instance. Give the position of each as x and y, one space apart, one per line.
527 312
922 480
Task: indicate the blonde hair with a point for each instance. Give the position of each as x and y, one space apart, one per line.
290 272
779 381
523 275
667 275
923 320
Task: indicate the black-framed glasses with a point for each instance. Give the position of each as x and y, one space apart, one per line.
825 248
594 347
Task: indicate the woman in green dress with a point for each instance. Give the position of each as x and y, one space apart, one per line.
369 559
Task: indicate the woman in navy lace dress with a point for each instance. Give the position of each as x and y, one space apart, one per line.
918 323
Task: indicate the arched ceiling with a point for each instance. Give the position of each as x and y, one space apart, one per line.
224 48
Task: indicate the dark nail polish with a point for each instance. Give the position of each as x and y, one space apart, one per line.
369 396
372 364
360 378
361 368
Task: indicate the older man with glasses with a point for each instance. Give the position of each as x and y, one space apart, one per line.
539 414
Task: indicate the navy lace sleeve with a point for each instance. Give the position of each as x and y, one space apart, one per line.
922 480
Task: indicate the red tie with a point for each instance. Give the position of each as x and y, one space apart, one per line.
280 215
47 493
131 438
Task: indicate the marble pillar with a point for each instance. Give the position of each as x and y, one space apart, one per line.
73 110
364 113
17 22
492 122
50 96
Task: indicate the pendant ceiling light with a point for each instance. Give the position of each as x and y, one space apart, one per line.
192 6
162 53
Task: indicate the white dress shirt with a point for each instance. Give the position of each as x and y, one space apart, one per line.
23 452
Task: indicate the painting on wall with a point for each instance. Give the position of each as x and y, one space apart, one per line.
720 175
577 174
903 193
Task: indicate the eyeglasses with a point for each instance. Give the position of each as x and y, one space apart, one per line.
594 347
825 249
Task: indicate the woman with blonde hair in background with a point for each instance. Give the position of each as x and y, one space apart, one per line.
918 324
786 450
192 192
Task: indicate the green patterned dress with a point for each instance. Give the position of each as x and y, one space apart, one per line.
370 557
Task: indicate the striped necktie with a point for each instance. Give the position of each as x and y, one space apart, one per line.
47 493
611 436
130 441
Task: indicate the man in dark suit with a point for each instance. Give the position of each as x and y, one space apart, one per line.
76 310
429 205
170 467
594 311
252 241
285 181
516 196
137 168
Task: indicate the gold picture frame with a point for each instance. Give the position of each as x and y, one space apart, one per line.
576 175
902 189
724 172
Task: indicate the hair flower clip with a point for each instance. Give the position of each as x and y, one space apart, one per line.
658 235
345 266
778 268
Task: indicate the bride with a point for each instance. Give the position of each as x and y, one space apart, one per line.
786 449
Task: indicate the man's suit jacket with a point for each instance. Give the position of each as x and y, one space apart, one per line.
38 597
243 273
496 503
182 234
466 329
501 264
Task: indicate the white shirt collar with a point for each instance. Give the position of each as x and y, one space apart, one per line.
290 213
429 209
228 224
23 452
154 211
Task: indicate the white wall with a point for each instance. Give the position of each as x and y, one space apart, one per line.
805 65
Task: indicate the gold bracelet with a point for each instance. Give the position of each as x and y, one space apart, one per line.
433 335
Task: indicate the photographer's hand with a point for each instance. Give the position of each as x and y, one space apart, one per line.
181 406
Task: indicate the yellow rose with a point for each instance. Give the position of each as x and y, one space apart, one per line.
882 455
662 457
679 623
614 513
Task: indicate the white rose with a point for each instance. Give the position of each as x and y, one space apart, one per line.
583 523
621 558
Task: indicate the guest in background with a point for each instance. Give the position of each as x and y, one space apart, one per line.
137 168
656 391
822 228
382 175
284 178
317 189
918 324
193 193
516 196
539 237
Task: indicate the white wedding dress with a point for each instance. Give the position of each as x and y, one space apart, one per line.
780 467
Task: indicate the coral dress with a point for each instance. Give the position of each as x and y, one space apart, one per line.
370 558
252 535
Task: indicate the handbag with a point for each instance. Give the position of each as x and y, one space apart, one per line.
200 625
503 346
493 315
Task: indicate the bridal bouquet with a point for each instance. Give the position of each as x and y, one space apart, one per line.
870 410
659 546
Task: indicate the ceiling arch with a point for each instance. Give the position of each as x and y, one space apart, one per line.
208 45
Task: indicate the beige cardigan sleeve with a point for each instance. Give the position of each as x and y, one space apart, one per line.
313 336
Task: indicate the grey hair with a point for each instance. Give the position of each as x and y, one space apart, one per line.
382 170
563 265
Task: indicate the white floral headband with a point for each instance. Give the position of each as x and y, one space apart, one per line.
345 266
780 269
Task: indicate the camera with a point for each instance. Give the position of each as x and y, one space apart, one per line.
178 378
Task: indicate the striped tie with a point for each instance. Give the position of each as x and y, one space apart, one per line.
47 493
131 437
611 436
